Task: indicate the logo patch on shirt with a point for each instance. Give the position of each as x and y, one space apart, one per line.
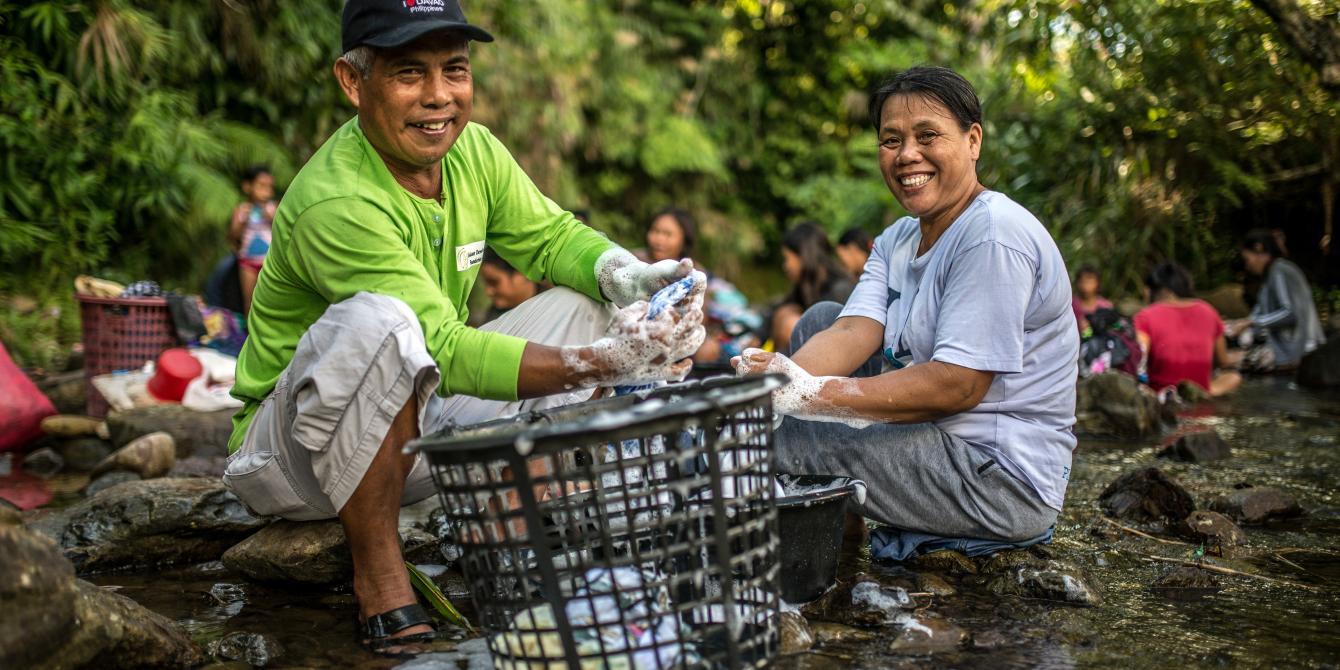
469 255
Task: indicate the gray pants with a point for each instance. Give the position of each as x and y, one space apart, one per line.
314 436
919 477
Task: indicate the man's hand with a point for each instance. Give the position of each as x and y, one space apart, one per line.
625 280
637 350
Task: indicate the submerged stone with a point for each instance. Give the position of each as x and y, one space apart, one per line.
1049 580
1147 495
922 636
257 649
862 601
935 585
1214 528
1257 505
947 561
1185 577
1199 447
795 633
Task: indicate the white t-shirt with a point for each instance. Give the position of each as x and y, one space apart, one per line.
992 294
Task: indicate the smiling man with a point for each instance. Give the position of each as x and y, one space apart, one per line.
358 341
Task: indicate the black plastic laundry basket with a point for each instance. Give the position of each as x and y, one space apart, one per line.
637 531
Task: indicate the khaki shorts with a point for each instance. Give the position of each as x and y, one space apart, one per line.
313 438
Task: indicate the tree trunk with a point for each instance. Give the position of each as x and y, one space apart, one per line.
1316 41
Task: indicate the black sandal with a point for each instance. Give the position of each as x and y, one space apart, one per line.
378 629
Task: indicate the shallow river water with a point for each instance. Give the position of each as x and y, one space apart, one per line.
1281 437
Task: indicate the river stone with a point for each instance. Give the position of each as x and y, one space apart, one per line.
108 480
82 454
923 636
863 601
36 580
65 390
1191 393
150 456
1198 447
795 633
1213 527
306 552
1004 561
1185 577
420 546
1147 495
149 523
199 466
195 433
116 632
1256 505
44 462
257 649
1115 404
1048 580
945 561
1321 368
827 632
934 585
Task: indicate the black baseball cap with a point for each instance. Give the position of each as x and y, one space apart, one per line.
392 23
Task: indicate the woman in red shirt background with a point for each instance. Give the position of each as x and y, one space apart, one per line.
1183 337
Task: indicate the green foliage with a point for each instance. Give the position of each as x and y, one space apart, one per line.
1131 127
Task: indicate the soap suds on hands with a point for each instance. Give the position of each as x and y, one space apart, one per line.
802 397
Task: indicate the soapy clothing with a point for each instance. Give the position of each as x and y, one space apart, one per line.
345 225
992 294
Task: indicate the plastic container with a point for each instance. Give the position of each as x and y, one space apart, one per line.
810 521
121 334
173 372
635 531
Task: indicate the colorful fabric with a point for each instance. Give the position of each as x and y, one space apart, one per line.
345 225
1181 342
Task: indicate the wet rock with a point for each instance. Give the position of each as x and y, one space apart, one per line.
1004 561
795 633
989 640
35 579
9 514
1115 404
73 425
922 636
109 480
257 649
193 433
199 466
862 601
307 552
1147 495
1048 580
1321 368
1199 447
1192 393
66 391
946 561
935 585
1256 505
44 462
1213 528
82 454
420 546
68 623
149 456
827 632
1184 578
117 632
152 522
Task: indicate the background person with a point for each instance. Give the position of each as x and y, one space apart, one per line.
505 286
249 230
1284 319
1182 337
967 302
815 275
853 249
1087 298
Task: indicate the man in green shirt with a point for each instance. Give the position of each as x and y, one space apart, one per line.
358 341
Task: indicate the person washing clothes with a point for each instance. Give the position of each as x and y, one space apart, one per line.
358 338
250 229
1283 325
947 382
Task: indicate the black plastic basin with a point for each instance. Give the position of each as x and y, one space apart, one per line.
810 522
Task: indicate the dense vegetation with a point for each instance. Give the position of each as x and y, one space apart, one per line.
1136 129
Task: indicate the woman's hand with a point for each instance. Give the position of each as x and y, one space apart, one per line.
806 397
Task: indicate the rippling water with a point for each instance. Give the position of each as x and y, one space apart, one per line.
1281 437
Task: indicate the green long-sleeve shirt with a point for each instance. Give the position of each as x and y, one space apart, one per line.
345 225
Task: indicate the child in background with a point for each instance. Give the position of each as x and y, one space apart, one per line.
1086 299
249 230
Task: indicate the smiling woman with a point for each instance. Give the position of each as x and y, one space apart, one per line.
960 329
